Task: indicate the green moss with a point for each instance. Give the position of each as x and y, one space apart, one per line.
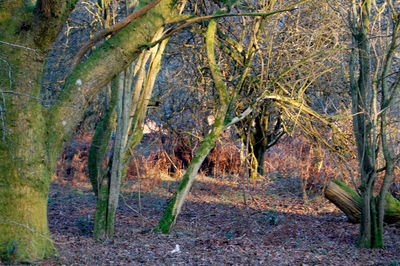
377 235
392 208
346 188
10 251
99 145
28 5
167 220
24 232
100 218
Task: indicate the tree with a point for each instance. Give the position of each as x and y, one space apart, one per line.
231 79
291 44
350 202
32 136
373 86
130 99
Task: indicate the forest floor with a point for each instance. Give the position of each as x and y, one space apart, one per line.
274 227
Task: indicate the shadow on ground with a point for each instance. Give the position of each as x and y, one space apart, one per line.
215 227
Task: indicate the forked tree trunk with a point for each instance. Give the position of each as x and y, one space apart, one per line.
267 132
32 136
25 164
134 90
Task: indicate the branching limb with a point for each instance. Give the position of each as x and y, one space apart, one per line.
112 30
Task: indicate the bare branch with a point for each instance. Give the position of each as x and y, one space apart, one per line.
20 46
111 31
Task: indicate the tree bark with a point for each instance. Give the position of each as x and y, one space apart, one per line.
174 207
135 87
32 136
350 203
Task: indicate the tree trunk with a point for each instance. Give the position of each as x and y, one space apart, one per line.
24 181
131 103
350 202
24 232
174 207
258 148
100 218
266 133
31 136
24 165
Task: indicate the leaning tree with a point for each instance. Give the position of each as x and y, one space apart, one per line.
247 80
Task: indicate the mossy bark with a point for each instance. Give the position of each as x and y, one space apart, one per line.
31 136
100 143
174 207
24 184
171 213
350 202
99 176
24 171
23 223
131 101
100 217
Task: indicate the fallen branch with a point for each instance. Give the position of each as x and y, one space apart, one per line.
349 202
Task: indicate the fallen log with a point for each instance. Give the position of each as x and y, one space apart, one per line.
349 202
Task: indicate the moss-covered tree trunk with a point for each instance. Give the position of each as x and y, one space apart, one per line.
25 171
350 202
371 96
174 207
134 90
98 174
32 136
265 134
24 184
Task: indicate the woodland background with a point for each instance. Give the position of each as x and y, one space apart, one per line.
258 197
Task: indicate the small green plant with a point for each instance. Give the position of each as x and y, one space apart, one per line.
85 224
271 218
10 251
393 262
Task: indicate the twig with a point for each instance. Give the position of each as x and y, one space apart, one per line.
21 94
135 211
34 231
20 46
240 117
111 30
173 164
192 20
3 106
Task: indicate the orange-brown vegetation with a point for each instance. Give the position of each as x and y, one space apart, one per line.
227 218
